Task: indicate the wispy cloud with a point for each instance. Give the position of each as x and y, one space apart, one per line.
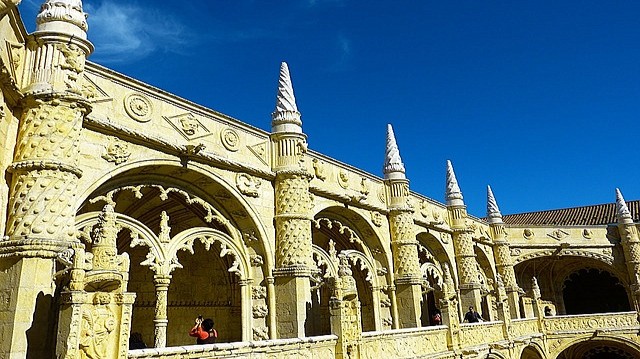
343 56
124 32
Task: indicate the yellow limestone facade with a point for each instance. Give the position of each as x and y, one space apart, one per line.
125 209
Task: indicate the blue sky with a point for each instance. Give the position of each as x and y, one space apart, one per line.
539 99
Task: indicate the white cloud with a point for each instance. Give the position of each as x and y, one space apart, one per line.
125 32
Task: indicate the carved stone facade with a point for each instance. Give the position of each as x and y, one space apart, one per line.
127 212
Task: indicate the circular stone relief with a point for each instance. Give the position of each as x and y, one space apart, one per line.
138 107
230 139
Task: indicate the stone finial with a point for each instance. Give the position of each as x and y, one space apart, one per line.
622 211
493 212
453 193
393 166
63 16
286 117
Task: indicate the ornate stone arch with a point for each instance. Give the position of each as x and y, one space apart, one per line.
259 231
228 247
536 347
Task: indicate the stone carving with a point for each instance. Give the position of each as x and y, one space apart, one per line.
343 179
558 234
258 292
364 187
260 333
392 163
138 107
73 57
256 260
527 233
188 126
377 218
260 151
117 151
318 169
230 139
165 230
259 311
248 185
56 10
581 323
445 237
587 233
97 326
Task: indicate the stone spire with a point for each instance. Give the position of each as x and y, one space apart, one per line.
63 16
286 117
493 212
453 193
393 166
622 211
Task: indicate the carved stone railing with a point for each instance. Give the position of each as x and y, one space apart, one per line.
524 327
585 323
313 347
404 343
480 333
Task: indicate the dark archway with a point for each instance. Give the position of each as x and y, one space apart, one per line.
594 291
599 349
530 353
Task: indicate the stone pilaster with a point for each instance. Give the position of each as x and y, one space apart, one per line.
502 254
292 219
404 246
44 172
449 309
630 245
469 283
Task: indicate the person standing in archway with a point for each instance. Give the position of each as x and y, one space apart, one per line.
472 316
203 331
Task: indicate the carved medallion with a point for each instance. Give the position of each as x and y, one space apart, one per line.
248 185
230 139
138 107
587 233
527 233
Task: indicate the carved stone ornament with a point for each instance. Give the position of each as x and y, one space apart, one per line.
117 151
382 195
318 169
587 233
424 208
558 234
188 125
248 185
377 218
260 150
138 107
230 139
527 233
343 179
364 186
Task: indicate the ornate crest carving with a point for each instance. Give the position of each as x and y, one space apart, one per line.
230 139
117 151
248 185
138 107
377 218
343 179
558 234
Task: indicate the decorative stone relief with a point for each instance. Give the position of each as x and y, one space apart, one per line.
188 126
258 292
364 186
343 179
260 150
259 311
249 237
527 233
97 326
381 195
138 107
256 260
260 333
424 208
558 234
230 139
117 151
248 185
318 169
377 218
587 233
445 237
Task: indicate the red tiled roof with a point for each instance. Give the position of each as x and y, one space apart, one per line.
599 214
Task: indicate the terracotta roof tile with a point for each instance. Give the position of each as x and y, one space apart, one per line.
599 214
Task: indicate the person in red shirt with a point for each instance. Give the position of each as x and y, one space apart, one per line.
203 331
